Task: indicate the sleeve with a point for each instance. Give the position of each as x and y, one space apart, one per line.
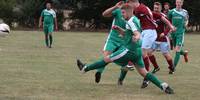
54 14
42 14
169 15
116 13
187 15
166 31
132 26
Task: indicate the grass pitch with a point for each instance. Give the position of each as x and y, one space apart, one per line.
30 71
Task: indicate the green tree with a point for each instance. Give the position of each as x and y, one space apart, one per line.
6 10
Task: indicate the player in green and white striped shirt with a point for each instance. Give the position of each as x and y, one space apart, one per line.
48 16
179 18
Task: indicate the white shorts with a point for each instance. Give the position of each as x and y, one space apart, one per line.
164 47
148 38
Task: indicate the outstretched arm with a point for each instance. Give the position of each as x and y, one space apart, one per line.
119 29
108 12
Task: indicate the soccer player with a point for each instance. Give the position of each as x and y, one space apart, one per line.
48 16
179 18
165 11
162 42
114 40
130 51
166 8
149 34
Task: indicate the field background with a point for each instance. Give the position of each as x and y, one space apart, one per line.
30 71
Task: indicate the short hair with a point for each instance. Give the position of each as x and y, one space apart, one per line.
157 3
126 6
134 0
182 0
166 3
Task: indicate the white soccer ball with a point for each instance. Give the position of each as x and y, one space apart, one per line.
4 29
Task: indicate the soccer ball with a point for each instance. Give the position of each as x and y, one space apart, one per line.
4 29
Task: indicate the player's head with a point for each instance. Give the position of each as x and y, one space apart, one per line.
179 3
133 3
127 11
157 7
48 5
166 6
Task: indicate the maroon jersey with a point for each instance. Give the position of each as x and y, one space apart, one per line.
146 17
165 12
161 27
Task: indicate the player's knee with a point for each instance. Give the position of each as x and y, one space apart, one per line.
106 53
142 72
167 56
177 49
107 59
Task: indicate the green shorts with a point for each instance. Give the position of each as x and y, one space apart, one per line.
177 40
48 29
111 45
122 56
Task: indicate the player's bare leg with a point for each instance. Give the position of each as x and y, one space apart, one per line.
169 60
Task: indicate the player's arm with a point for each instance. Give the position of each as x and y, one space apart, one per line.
55 20
136 35
119 29
56 23
168 23
169 15
186 19
108 12
133 28
40 20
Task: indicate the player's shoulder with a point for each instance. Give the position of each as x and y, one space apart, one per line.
156 14
164 15
44 10
52 10
184 10
172 10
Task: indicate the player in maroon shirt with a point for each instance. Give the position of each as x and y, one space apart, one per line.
166 8
165 11
162 41
149 34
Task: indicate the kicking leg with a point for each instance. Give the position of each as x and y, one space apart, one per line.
162 85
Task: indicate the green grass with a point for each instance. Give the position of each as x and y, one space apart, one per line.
30 71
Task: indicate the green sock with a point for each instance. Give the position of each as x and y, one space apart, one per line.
154 80
46 40
96 65
122 75
176 59
101 69
51 39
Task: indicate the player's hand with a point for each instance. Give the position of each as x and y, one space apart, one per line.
40 26
114 27
173 28
162 35
119 4
56 28
135 38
